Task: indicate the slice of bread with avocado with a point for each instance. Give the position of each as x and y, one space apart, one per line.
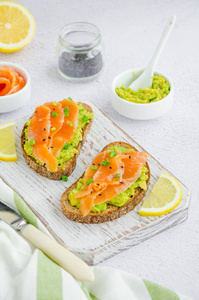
68 155
114 208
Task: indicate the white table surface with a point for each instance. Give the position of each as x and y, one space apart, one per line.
131 30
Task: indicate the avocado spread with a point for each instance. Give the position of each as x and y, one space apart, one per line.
159 89
118 200
69 150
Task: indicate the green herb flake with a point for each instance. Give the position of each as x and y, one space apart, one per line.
104 163
112 154
28 123
70 123
32 142
69 98
89 181
64 178
94 168
52 128
54 103
117 175
66 111
85 119
54 114
66 146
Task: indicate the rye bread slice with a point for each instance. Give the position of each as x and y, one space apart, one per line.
69 165
112 212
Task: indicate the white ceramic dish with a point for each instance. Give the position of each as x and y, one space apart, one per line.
18 99
139 111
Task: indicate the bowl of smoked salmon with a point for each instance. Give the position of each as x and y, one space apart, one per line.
14 86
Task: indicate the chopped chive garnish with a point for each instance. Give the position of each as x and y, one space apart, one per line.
66 111
70 123
85 119
89 181
105 163
112 153
28 123
54 114
94 168
55 103
66 146
64 178
117 175
52 128
32 142
69 98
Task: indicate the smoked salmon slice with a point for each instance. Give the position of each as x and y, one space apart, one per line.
10 81
56 122
65 134
112 175
39 132
5 86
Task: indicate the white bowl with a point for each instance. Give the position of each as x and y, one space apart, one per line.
139 111
18 99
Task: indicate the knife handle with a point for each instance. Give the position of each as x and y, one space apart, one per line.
67 260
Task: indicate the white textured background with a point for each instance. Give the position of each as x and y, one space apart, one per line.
130 31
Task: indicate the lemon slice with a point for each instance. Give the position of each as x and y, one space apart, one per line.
7 142
17 26
165 196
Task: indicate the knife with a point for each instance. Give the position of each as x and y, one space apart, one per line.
67 260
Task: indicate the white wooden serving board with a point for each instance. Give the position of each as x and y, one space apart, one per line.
92 242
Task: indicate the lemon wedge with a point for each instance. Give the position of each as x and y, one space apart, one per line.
7 142
17 26
165 196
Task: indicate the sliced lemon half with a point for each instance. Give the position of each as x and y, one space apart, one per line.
165 196
7 142
17 26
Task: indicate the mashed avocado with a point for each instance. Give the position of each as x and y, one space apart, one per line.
84 117
118 200
159 89
119 149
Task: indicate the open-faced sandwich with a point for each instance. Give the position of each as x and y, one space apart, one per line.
113 185
52 139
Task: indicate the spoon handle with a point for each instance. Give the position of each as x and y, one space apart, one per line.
167 30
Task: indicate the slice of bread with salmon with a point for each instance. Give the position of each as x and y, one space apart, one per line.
52 138
112 186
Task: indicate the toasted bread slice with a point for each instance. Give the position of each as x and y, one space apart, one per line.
69 165
112 212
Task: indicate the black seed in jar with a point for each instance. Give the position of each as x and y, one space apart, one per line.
81 65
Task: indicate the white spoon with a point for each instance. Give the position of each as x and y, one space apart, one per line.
145 79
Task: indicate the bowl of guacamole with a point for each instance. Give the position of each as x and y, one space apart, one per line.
144 104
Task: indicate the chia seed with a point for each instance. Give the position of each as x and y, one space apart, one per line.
81 65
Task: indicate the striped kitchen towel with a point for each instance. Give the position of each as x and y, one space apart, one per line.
28 274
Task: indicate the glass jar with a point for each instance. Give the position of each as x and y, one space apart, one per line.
80 51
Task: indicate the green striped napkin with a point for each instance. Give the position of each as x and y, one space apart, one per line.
26 273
